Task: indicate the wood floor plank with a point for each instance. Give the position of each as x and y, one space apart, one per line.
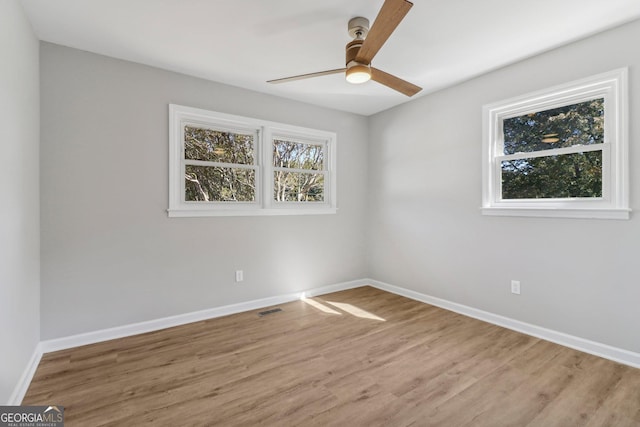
361 357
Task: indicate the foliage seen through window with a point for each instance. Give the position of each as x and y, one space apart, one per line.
298 171
218 165
566 175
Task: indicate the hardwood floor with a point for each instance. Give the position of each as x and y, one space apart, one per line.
361 357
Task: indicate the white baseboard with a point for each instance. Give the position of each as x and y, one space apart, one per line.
598 349
619 355
181 319
25 379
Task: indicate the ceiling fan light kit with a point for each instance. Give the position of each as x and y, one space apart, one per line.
358 73
364 46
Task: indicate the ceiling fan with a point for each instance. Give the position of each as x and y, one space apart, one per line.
364 46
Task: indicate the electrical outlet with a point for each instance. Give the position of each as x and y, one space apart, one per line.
239 276
515 287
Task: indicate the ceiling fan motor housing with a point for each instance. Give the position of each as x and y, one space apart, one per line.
352 49
358 28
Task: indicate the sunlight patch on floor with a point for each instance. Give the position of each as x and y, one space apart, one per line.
343 307
320 306
355 311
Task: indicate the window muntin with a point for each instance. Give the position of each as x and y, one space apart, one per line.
560 152
294 171
221 164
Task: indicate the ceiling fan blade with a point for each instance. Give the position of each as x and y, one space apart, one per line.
390 15
308 76
394 82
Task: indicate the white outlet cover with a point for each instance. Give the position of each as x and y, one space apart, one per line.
515 287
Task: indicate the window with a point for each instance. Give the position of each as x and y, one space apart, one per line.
298 170
560 152
230 165
220 164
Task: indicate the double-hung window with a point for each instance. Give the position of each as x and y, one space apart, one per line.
299 171
220 164
560 152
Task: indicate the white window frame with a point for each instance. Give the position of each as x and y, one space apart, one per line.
614 203
181 116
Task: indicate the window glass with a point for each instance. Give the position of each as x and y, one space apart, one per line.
559 176
576 124
290 182
219 184
296 155
208 181
298 187
218 146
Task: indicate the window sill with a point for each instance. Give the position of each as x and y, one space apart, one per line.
185 213
559 212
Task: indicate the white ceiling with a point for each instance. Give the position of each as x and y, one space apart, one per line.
246 42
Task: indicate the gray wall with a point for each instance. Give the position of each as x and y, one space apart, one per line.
427 234
19 192
110 254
